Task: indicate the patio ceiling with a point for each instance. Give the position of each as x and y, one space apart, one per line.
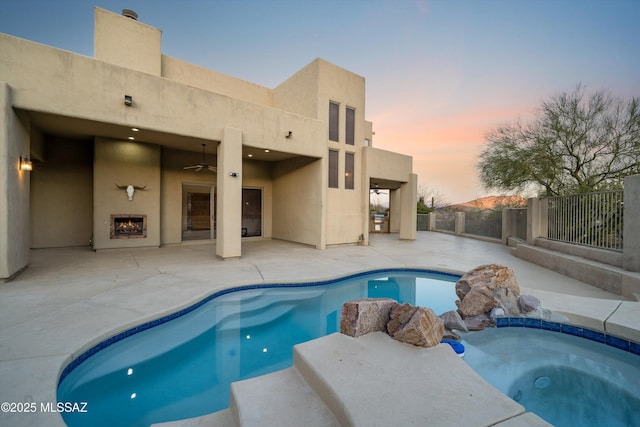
83 129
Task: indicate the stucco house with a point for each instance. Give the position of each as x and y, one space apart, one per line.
109 141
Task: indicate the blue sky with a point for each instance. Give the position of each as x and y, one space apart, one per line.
439 73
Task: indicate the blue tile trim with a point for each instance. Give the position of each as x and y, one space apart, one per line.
586 333
144 326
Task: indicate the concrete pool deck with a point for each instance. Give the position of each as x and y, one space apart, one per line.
70 299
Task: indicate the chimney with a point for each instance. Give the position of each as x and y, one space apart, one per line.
130 14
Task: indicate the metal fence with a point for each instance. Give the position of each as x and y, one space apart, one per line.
423 222
517 222
486 223
445 220
592 219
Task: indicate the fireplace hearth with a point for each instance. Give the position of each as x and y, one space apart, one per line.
128 226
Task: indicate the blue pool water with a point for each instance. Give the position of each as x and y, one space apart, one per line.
183 367
567 380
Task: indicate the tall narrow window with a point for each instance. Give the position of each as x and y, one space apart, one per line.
333 169
349 169
334 121
351 126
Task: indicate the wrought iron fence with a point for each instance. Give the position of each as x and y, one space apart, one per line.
445 220
487 223
592 219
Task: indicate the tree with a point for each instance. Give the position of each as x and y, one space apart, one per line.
576 143
429 199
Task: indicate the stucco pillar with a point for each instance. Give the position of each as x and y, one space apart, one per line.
459 223
537 219
431 221
229 189
14 189
631 233
409 213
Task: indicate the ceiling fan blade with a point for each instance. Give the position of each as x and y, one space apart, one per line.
191 167
212 169
199 168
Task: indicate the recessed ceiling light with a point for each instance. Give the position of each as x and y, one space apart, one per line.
131 138
135 129
249 155
266 151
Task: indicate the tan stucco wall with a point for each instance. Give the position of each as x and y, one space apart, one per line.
298 201
213 81
122 41
62 195
14 187
125 163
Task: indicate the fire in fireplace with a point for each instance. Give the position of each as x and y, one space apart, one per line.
128 226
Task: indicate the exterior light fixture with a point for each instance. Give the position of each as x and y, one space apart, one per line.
25 163
289 135
233 174
128 100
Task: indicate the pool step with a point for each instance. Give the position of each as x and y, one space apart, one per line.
372 380
282 399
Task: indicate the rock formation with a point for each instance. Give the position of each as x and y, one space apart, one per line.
485 294
403 322
415 325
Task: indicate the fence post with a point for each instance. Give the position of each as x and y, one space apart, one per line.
506 225
537 219
459 224
431 221
631 226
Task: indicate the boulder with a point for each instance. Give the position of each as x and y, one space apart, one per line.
485 288
452 321
415 325
528 303
478 323
362 316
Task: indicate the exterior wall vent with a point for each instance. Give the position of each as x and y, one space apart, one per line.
130 14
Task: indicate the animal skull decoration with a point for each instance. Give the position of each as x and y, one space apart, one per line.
130 189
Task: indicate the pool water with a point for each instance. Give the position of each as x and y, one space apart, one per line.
566 380
183 368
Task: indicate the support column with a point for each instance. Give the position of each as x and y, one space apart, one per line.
229 189
537 212
14 189
409 214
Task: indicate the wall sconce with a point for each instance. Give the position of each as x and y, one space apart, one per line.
233 174
128 100
25 163
289 135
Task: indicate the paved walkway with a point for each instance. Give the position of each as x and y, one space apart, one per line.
70 299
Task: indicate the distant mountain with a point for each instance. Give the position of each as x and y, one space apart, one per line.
490 202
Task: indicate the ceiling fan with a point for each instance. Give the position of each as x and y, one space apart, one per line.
202 165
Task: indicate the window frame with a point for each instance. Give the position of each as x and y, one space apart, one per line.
349 170
333 173
334 121
350 126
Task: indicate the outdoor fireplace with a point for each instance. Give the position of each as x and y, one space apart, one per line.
128 226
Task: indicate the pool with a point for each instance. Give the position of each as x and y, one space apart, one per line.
181 366
565 379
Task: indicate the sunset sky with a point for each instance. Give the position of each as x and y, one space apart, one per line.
439 74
